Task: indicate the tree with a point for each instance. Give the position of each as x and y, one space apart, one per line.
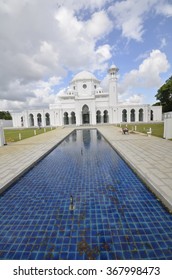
5 115
164 94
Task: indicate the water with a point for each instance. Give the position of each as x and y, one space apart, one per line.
114 216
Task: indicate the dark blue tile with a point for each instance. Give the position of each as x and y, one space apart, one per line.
71 256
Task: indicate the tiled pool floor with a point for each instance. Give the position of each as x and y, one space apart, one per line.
115 216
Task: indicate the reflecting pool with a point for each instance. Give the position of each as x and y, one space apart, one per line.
114 215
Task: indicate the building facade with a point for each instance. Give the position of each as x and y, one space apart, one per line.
85 103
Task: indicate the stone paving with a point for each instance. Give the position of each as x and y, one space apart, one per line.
150 157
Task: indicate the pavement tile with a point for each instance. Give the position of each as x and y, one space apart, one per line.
150 156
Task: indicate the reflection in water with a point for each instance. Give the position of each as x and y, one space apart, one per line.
86 138
74 136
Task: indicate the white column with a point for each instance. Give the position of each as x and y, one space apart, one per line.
136 115
43 119
25 119
128 115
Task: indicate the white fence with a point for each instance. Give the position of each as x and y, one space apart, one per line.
2 138
168 125
6 123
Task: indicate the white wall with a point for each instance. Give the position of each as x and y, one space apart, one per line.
2 138
6 123
168 125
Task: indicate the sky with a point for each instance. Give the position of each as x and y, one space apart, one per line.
44 43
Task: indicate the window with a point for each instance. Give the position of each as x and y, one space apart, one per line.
84 86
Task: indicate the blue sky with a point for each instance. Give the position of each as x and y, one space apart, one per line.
45 43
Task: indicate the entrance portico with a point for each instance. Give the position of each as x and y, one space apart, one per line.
85 115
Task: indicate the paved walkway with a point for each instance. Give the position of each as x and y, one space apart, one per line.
150 157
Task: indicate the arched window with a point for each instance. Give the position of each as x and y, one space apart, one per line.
140 115
47 119
73 118
105 117
85 115
39 119
132 115
124 115
151 116
31 120
66 118
98 117
22 121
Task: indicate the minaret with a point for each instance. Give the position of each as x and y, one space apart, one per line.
113 95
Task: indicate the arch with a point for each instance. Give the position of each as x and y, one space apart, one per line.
66 118
47 119
22 121
151 115
31 120
39 119
105 116
85 115
98 116
73 118
140 115
132 115
124 115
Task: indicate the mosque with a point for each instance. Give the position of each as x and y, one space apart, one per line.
85 103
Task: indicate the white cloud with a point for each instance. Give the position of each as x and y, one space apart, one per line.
103 53
98 26
134 99
147 76
81 38
38 45
163 43
41 39
164 8
130 15
82 4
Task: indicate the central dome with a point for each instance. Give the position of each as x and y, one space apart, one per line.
84 75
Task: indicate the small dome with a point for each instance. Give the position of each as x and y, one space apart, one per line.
68 90
99 89
113 66
84 75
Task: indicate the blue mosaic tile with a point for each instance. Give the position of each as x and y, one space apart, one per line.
115 215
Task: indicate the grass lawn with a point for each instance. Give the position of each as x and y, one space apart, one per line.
12 135
157 128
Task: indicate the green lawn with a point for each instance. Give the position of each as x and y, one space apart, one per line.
12 135
157 128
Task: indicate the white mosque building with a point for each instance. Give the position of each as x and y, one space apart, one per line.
85 103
